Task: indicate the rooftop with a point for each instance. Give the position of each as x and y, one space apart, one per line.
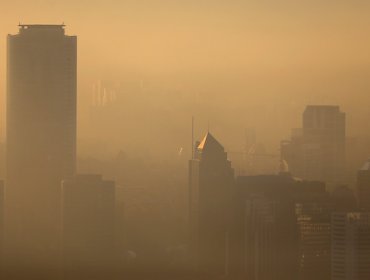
27 26
209 140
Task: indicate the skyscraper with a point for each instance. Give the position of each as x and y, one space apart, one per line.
88 205
350 249
318 153
265 225
363 187
314 261
1 220
40 140
211 180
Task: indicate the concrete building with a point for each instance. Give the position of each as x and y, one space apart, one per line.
350 246
2 214
314 247
40 141
88 224
266 224
317 151
211 179
313 213
363 187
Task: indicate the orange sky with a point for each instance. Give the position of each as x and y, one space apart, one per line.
266 49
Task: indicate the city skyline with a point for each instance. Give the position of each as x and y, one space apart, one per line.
214 147
313 53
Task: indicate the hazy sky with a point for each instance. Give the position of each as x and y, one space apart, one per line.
261 53
164 34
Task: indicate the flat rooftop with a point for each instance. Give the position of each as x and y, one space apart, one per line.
26 26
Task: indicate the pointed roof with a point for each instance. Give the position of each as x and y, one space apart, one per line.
209 141
366 165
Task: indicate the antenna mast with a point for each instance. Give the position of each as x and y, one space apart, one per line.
192 137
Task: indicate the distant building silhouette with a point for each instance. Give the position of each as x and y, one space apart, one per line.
211 179
350 246
363 187
40 141
266 224
314 239
88 224
2 208
317 151
343 199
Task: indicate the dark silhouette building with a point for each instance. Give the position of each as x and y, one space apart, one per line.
314 239
343 199
317 151
2 200
350 246
88 224
267 236
211 180
363 187
40 141
265 226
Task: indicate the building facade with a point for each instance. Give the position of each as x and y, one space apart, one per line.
40 140
363 187
314 247
274 214
88 225
317 151
350 246
211 180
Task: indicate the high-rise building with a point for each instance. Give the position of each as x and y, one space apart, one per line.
270 229
40 140
268 220
318 153
88 224
265 225
314 246
363 187
1 220
211 179
313 209
350 246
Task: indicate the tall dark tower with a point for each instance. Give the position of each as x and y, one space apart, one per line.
211 179
40 140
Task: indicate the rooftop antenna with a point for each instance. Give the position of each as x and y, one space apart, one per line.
192 137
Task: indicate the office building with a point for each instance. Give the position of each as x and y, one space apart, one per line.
363 187
317 151
350 246
2 207
266 223
88 224
264 226
314 244
211 179
40 141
